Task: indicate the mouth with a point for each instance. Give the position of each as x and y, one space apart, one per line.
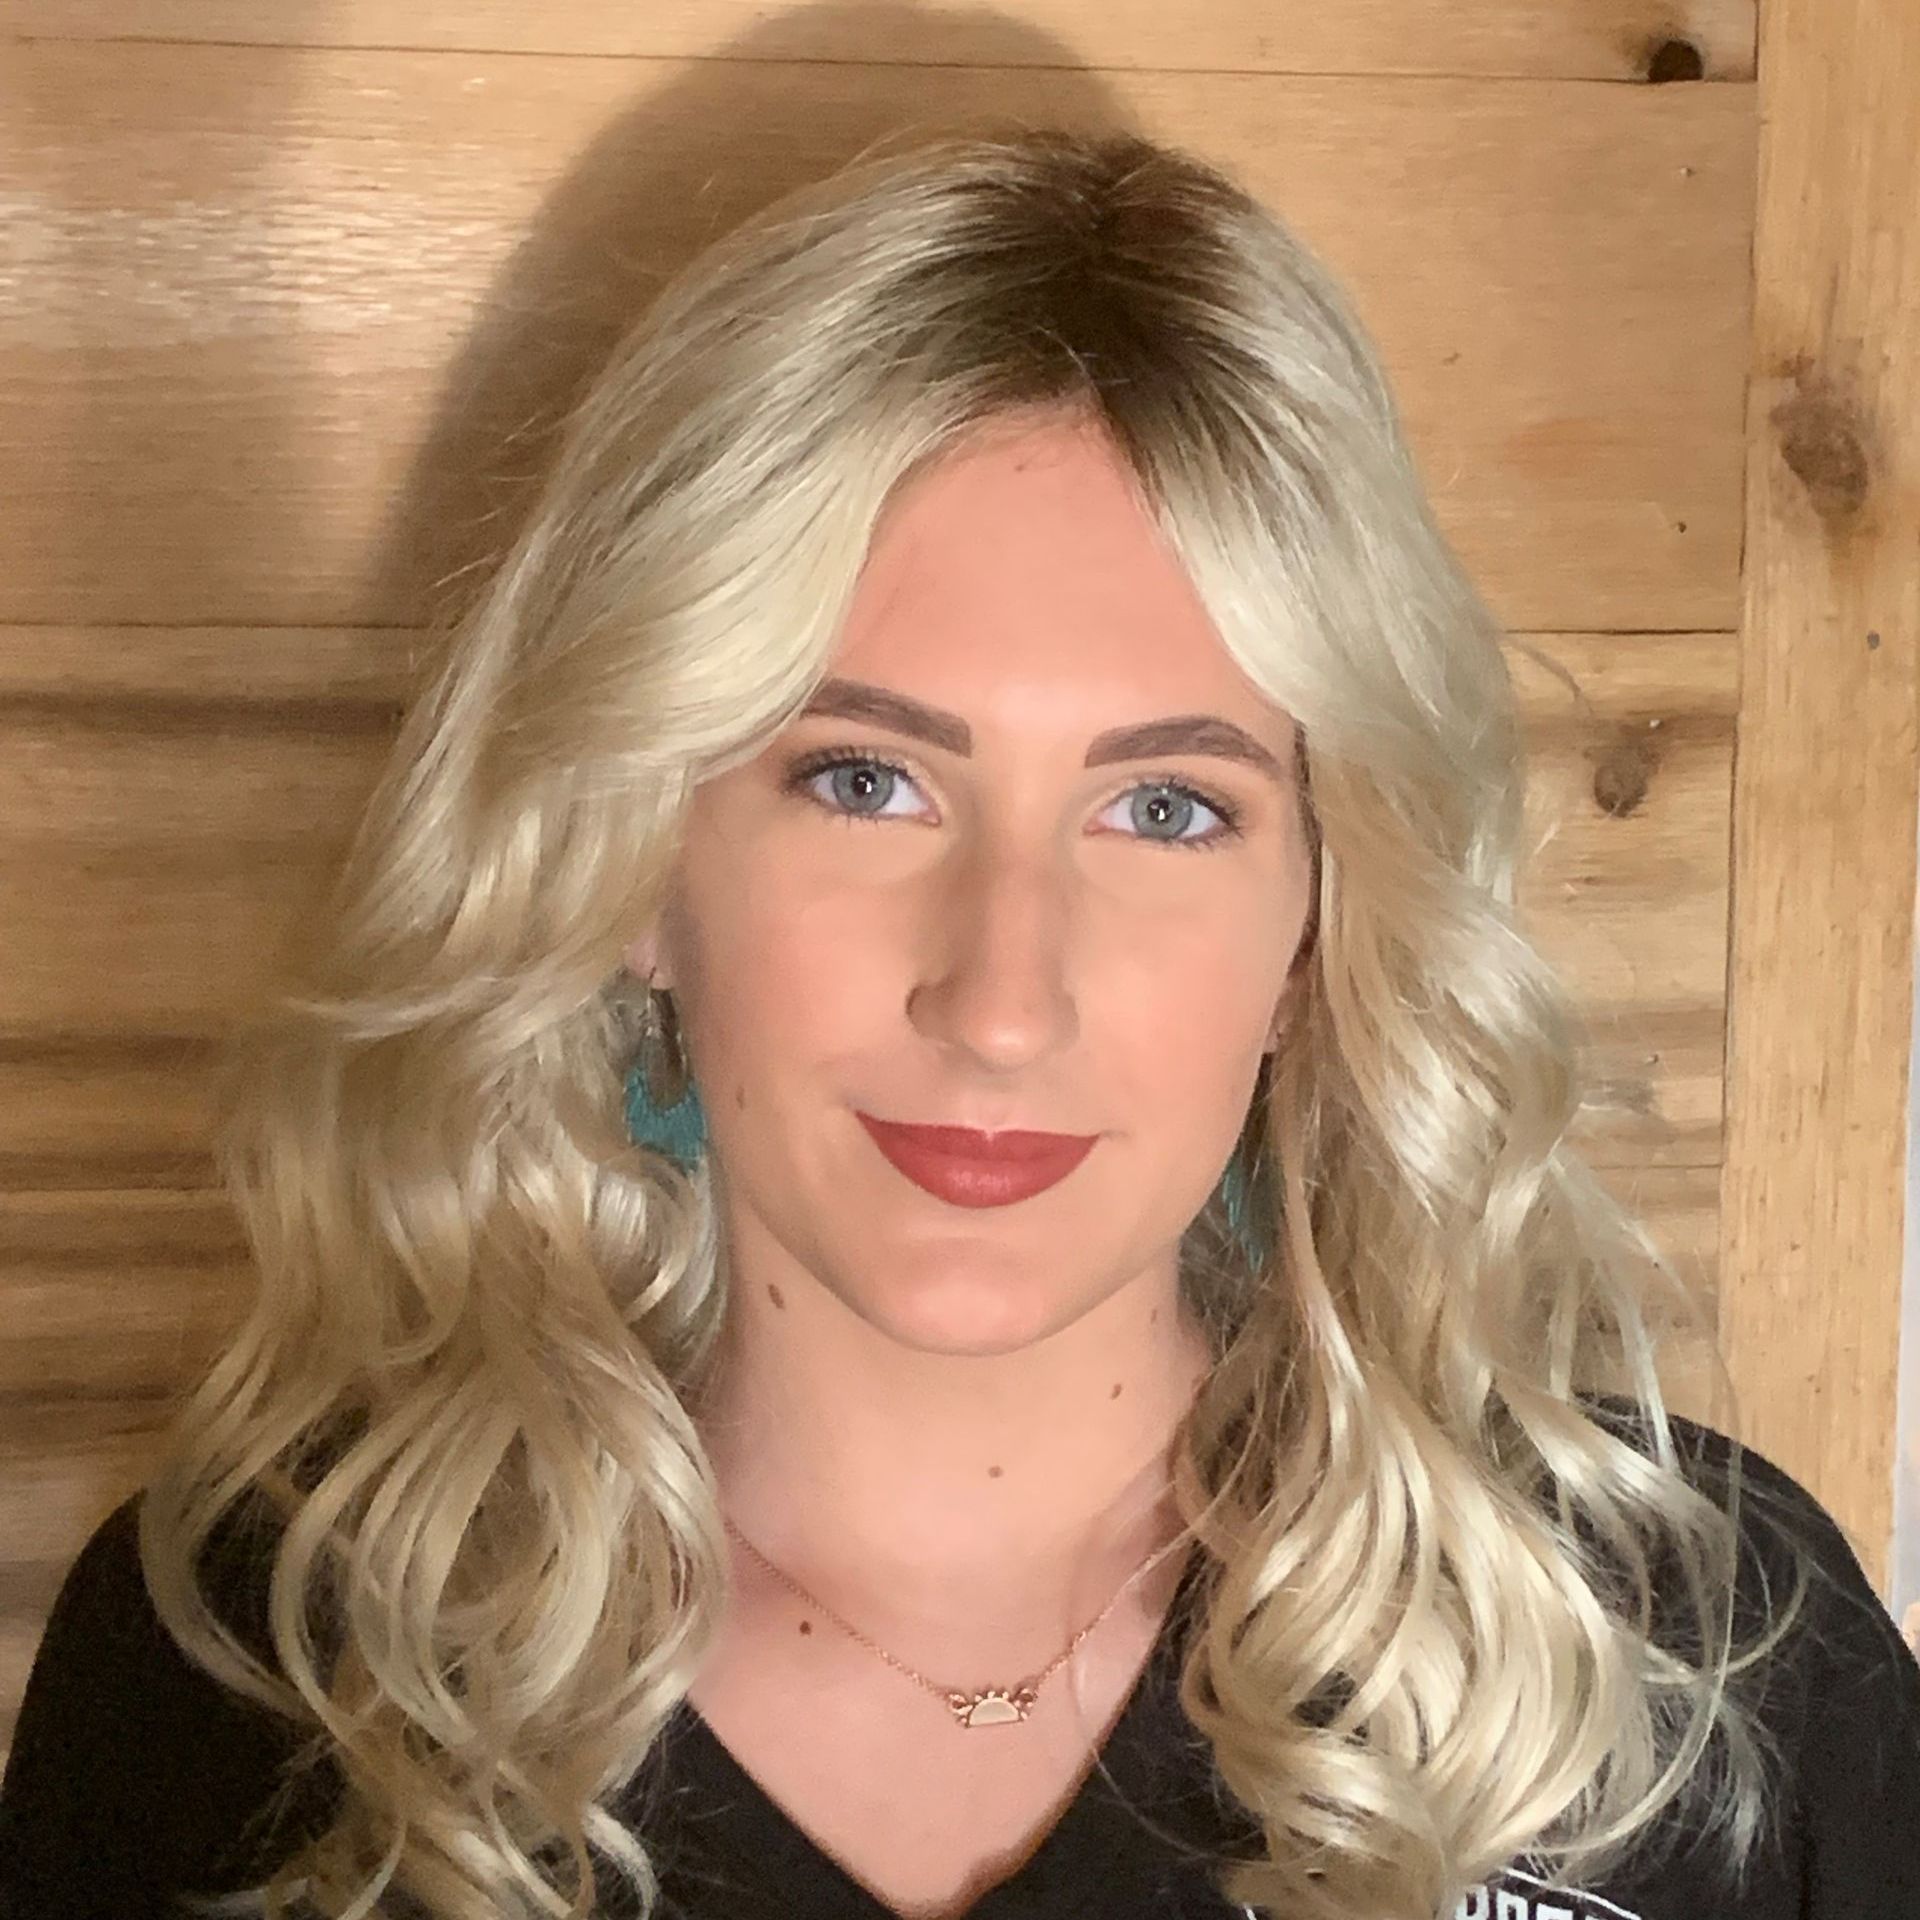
969 1168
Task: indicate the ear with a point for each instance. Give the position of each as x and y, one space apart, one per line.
1287 1006
1277 1027
645 961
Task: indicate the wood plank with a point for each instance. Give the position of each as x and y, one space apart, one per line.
121 1296
1825 786
290 328
1630 748
1573 39
118 1109
1680 1207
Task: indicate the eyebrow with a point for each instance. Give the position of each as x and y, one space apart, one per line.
1199 733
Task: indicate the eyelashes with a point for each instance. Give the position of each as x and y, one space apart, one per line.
804 771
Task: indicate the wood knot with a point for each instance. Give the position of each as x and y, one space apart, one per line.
1624 772
1821 441
1674 59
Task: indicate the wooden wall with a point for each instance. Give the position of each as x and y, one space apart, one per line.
287 310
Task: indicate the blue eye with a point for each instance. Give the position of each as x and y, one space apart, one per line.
870 776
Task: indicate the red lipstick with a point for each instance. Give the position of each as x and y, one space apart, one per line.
971 1169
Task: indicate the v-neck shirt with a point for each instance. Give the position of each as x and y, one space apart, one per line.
1135 1837
134 1775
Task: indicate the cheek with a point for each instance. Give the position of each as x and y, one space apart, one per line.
1194 1043
1193 991
795 987
1199 1101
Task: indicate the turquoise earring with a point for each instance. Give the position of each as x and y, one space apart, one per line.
1235 1196
664 1112
678 1131
663 1105
1236 1186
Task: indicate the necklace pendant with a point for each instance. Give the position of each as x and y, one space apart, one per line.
992 1706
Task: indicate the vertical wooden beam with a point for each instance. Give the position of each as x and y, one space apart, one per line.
1826 762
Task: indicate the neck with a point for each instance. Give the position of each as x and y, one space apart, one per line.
942 1484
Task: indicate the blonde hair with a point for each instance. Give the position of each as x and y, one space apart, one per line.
463 1389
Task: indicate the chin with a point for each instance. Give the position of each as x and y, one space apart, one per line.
964 1316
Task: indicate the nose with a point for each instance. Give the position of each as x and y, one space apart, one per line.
1001 990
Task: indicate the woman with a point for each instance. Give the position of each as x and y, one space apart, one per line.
918 1247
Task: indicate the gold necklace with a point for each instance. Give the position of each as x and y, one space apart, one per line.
985 1706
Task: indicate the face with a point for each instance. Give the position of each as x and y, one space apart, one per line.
995 912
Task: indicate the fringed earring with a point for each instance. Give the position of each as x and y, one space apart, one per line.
1246 1209
663 1105
1236 1195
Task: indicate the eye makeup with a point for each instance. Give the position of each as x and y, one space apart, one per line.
809 766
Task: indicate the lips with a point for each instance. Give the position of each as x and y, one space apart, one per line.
971 1169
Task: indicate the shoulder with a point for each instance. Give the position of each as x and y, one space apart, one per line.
1784 1530
1839 1693
133 1770
105 1594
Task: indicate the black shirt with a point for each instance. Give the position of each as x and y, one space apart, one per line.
134 1775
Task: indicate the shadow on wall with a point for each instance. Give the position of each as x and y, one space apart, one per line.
687 161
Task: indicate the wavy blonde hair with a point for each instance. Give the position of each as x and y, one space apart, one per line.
484 1314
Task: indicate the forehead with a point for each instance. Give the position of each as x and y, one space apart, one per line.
1022 581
